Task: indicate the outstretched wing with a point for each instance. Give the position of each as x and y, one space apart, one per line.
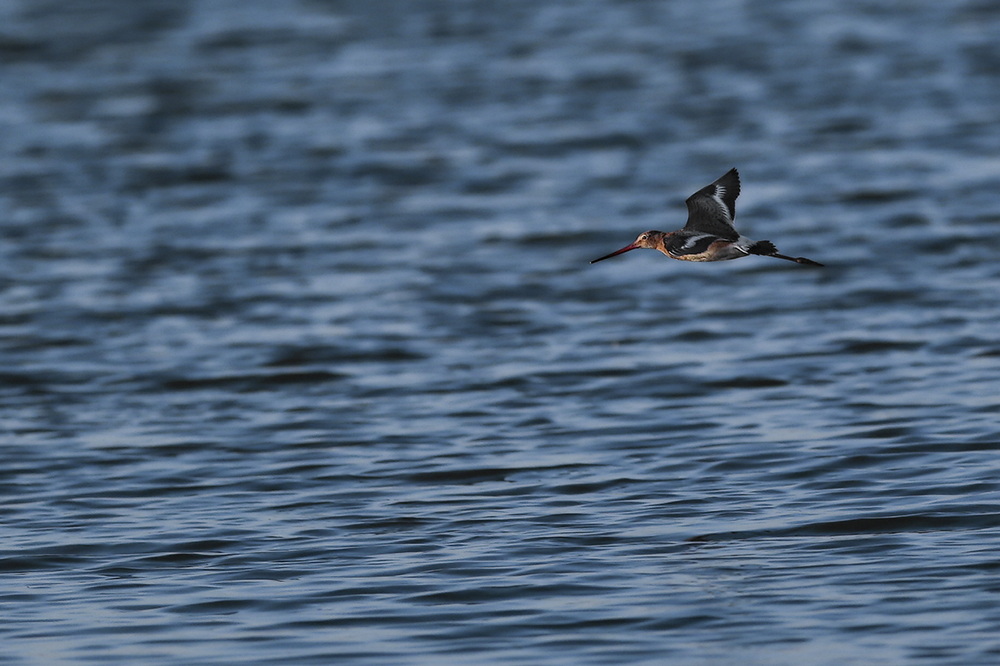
712 208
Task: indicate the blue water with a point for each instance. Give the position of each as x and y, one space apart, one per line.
302 360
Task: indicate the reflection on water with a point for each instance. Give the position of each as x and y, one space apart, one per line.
303 357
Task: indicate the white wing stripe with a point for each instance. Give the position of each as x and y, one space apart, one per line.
720 192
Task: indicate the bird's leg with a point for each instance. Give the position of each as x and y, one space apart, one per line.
798 260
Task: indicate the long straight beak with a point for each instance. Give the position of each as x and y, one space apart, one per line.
633 246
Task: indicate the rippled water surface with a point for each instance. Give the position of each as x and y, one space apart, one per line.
303 360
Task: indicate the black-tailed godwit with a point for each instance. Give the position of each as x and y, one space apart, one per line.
709 234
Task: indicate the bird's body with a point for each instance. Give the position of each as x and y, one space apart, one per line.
709 234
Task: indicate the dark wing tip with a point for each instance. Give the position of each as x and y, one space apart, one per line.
732 181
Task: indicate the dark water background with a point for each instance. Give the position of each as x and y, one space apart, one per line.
302 360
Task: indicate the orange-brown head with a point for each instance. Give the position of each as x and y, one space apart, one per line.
647 239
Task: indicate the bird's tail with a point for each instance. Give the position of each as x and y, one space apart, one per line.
766 248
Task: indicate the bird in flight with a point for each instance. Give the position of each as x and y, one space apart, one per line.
709 234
